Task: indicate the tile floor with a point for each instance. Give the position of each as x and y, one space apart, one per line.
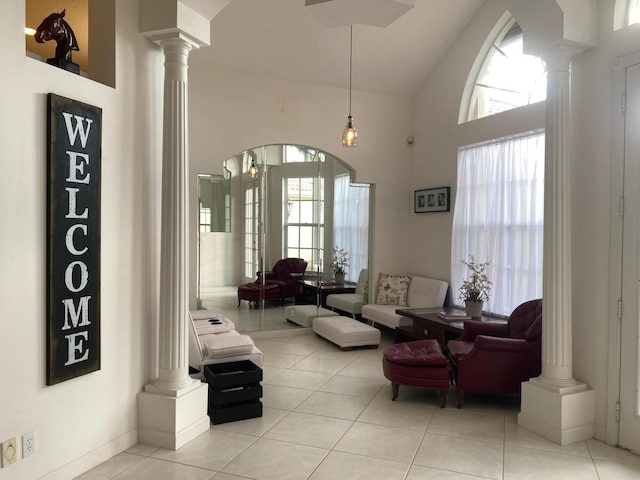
328 415
224 301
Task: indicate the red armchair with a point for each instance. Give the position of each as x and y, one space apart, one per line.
285 273
496 358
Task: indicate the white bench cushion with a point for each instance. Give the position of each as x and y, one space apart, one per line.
225 344
347 302
385 315
346 332
215 351
213 325
303 315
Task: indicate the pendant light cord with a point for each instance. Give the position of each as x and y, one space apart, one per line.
350 67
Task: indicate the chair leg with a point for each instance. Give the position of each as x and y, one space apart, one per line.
444 396
460 398
395 387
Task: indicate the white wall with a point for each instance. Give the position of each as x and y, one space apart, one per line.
438 136
229 113
83 421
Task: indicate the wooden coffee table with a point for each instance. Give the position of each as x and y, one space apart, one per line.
310 289
427 324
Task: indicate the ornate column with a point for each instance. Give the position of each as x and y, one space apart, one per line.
555 405
172 410
174 304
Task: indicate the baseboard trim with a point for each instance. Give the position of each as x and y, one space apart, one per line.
95 457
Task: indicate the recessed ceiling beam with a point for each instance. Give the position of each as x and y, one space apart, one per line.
378 13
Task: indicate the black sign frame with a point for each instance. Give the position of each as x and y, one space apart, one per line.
74 154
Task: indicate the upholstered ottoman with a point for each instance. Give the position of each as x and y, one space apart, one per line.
346 332
255 292
303 315
417 364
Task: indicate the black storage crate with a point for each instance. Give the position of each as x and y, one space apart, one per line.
246 393
238 411
234 391
232 374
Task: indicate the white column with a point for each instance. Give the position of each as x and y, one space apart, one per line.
556 290
174 304
172 409
555 405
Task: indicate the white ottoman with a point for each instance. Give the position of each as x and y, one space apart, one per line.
303 315
346 332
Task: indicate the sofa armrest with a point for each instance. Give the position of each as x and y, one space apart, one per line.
499 344
268 275
473 328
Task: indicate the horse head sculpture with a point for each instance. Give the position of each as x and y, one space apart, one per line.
54 27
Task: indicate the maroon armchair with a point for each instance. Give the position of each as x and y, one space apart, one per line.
285 273
496 358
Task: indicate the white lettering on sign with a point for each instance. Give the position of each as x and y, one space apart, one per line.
72 132
69 239
73 314
75 167
73 202
76 276
84 276
76 347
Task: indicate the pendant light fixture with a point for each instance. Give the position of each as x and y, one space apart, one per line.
253 170
350 135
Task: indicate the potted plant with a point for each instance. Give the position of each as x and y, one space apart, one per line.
475 289
339 264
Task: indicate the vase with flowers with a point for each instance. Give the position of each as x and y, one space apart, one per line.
475 289
339 264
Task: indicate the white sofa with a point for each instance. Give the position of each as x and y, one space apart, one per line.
422 293
351 303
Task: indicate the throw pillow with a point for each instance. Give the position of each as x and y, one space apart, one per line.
393 289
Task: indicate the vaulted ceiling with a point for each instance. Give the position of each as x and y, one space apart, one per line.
286 39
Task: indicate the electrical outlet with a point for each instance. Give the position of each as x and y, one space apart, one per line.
28 444
9 452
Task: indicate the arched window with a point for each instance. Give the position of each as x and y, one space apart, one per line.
633 12
507 78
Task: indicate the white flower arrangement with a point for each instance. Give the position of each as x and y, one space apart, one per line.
477 286
340 261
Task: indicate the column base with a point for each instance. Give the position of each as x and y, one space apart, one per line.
561 414
172 420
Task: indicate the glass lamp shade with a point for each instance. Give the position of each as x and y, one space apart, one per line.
253 170
349 135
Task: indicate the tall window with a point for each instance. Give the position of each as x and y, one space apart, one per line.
351 223
250 230
205 218
633 12
498 217
304 220
507 78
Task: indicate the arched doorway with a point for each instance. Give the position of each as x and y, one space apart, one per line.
301 203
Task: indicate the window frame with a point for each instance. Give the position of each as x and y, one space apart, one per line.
469 107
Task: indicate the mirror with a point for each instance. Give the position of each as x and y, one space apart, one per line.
214 203
302 203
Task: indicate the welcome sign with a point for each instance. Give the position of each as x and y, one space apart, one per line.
74 139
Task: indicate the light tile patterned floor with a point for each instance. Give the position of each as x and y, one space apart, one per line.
328 415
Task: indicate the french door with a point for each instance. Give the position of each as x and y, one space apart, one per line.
630 323
251 231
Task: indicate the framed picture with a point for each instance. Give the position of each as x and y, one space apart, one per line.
431 200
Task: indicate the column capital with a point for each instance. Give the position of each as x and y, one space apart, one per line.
558 57
166 19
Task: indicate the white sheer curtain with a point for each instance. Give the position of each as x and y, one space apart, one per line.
351 224
498 217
